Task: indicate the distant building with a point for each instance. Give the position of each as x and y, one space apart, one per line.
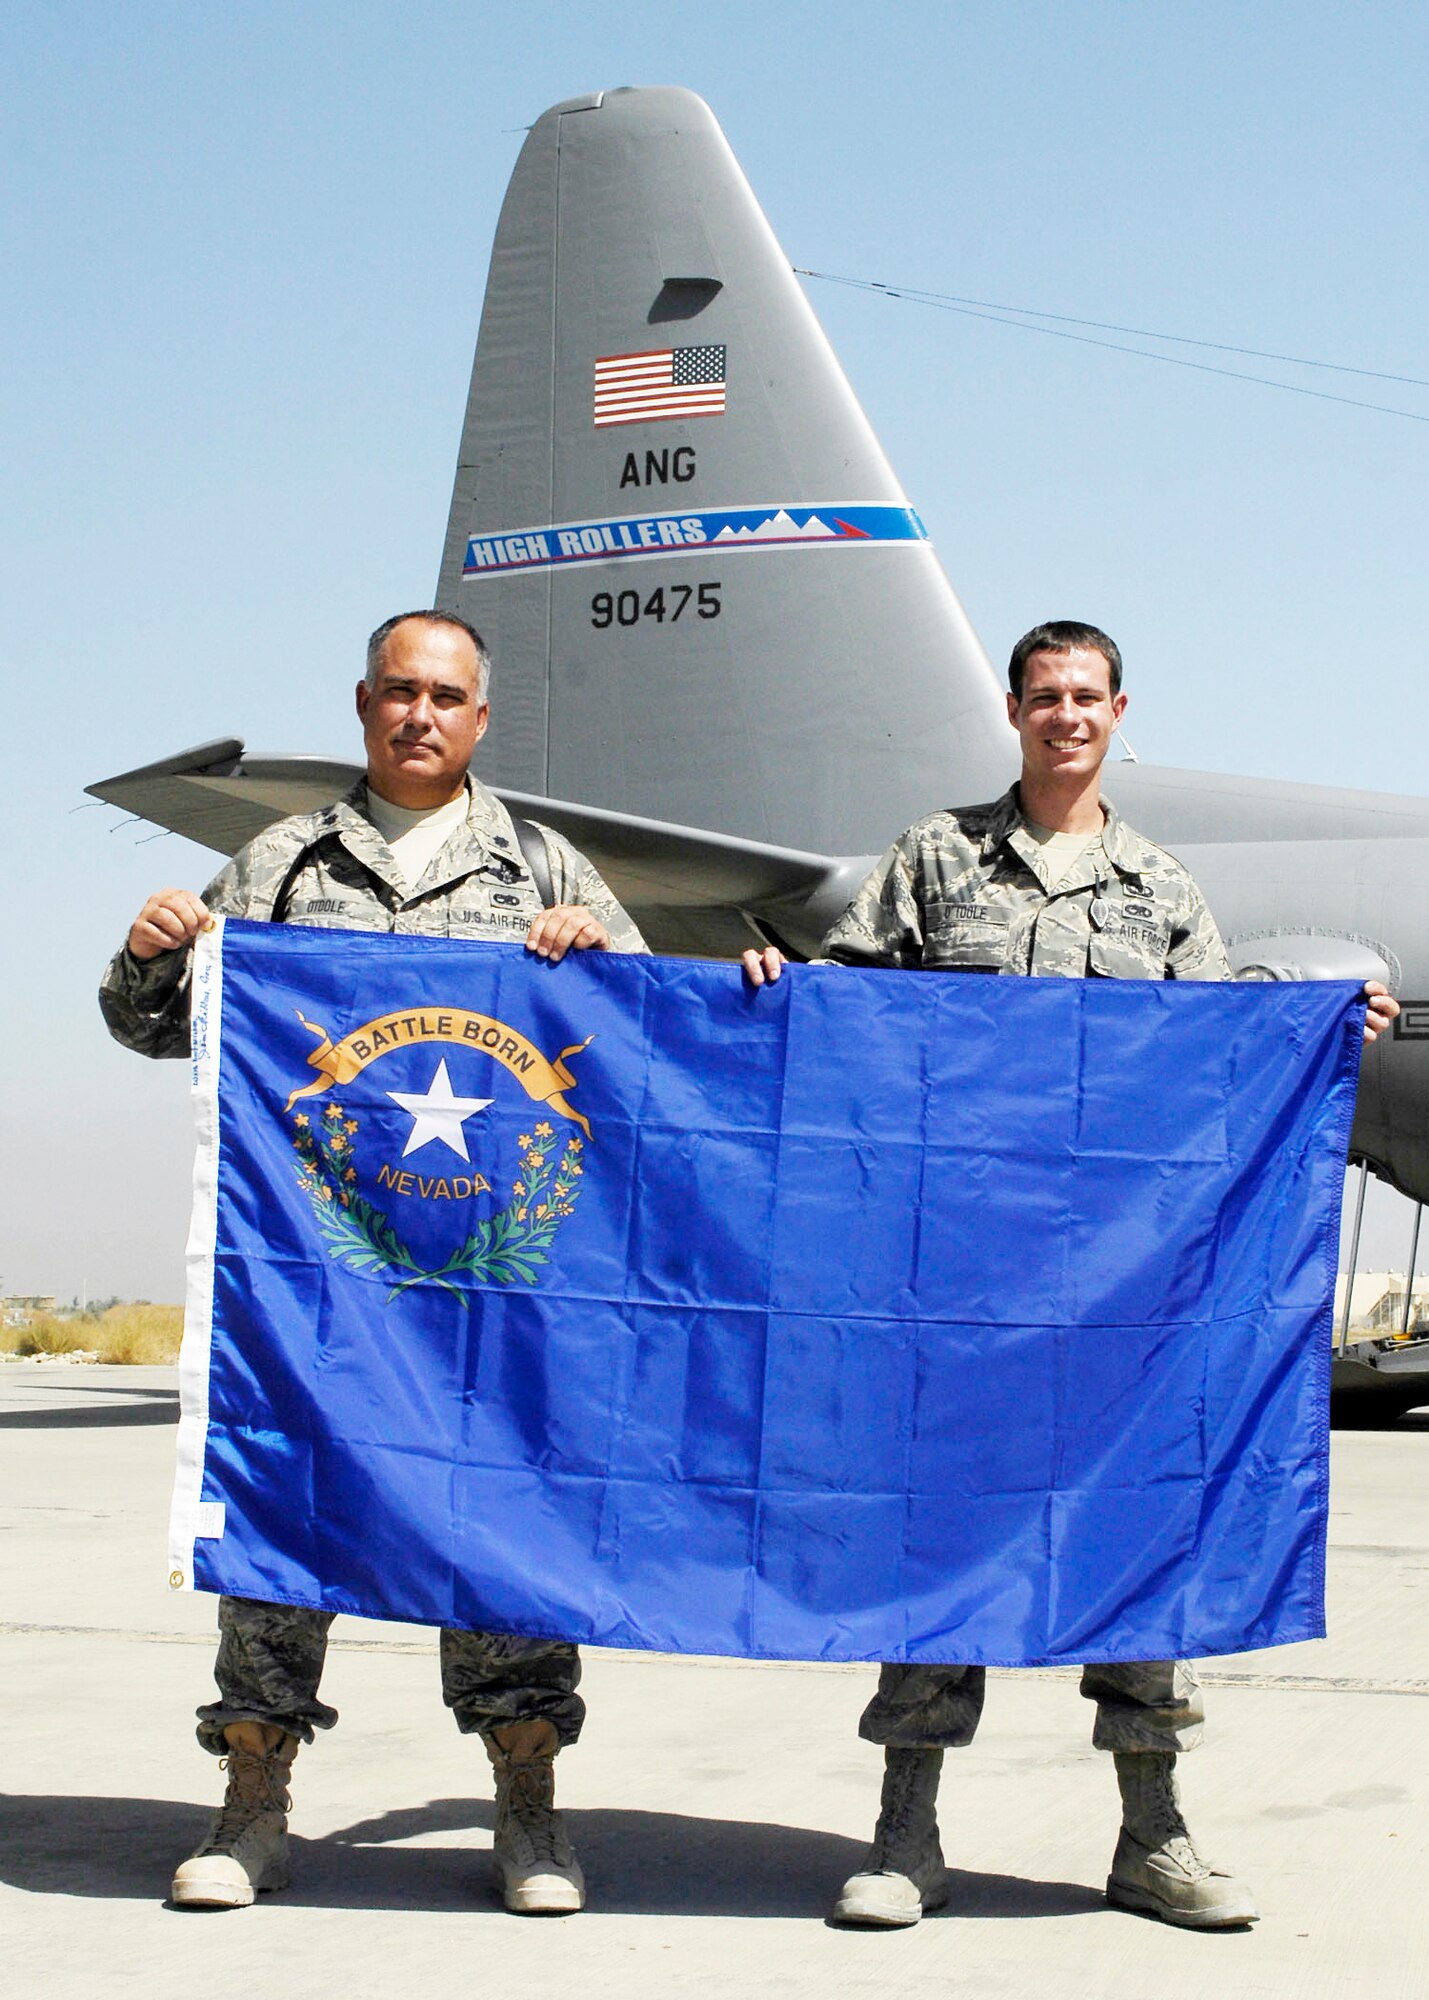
1386 1315
22 1308
1377 1303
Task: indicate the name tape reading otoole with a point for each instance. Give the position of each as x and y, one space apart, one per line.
679 533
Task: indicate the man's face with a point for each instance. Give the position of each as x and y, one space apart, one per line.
1067 713
422 721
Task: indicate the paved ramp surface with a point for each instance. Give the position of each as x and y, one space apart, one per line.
716 1805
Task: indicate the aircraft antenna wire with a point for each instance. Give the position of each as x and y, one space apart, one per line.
947 302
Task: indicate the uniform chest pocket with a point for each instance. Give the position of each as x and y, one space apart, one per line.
971 942
493 913
331 913
1127 954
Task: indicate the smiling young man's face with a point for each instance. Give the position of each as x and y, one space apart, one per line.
1067 714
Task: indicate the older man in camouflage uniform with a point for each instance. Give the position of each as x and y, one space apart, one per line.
1046 881
418 849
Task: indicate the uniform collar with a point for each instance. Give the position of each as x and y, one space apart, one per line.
1125 850
486 836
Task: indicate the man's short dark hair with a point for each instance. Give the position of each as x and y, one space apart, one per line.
1062 635
389 625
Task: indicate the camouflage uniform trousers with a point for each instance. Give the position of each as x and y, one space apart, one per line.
270 1661
1142 1705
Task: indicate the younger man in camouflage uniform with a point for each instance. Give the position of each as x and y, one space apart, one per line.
453 868
1047 881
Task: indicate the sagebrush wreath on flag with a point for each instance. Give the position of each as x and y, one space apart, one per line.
869 1316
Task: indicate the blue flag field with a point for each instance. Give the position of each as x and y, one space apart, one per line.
870 1316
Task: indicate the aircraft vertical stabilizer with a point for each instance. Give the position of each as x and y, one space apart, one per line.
707 596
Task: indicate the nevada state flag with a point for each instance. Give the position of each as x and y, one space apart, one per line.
867 1316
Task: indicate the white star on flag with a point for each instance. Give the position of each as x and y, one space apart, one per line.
438 1115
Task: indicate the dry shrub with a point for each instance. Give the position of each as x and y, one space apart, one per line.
43 1334
137 1335
124 1335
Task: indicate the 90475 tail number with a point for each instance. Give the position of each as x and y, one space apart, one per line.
628 607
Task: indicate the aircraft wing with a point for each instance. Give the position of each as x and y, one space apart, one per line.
692 892
700 894
222 798
1181 809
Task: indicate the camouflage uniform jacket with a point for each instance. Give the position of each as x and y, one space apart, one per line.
332 870
966 890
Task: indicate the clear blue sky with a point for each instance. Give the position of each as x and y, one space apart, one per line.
244 252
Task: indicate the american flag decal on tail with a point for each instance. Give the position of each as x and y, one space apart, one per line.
652 388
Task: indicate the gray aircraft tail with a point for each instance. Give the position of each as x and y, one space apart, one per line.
708 599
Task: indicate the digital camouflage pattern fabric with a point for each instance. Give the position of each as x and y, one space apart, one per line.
1142 1706
332 870
966 890
270 1661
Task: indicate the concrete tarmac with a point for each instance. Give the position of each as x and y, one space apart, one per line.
716 1805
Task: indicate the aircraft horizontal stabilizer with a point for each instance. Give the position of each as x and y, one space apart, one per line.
705 894
1207 808
221 797
692 892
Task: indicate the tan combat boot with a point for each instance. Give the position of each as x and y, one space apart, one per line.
540 1875
902 1873
246 1848
1155 1867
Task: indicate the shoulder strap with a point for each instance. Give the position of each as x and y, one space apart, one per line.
533 848
265 900
279 911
